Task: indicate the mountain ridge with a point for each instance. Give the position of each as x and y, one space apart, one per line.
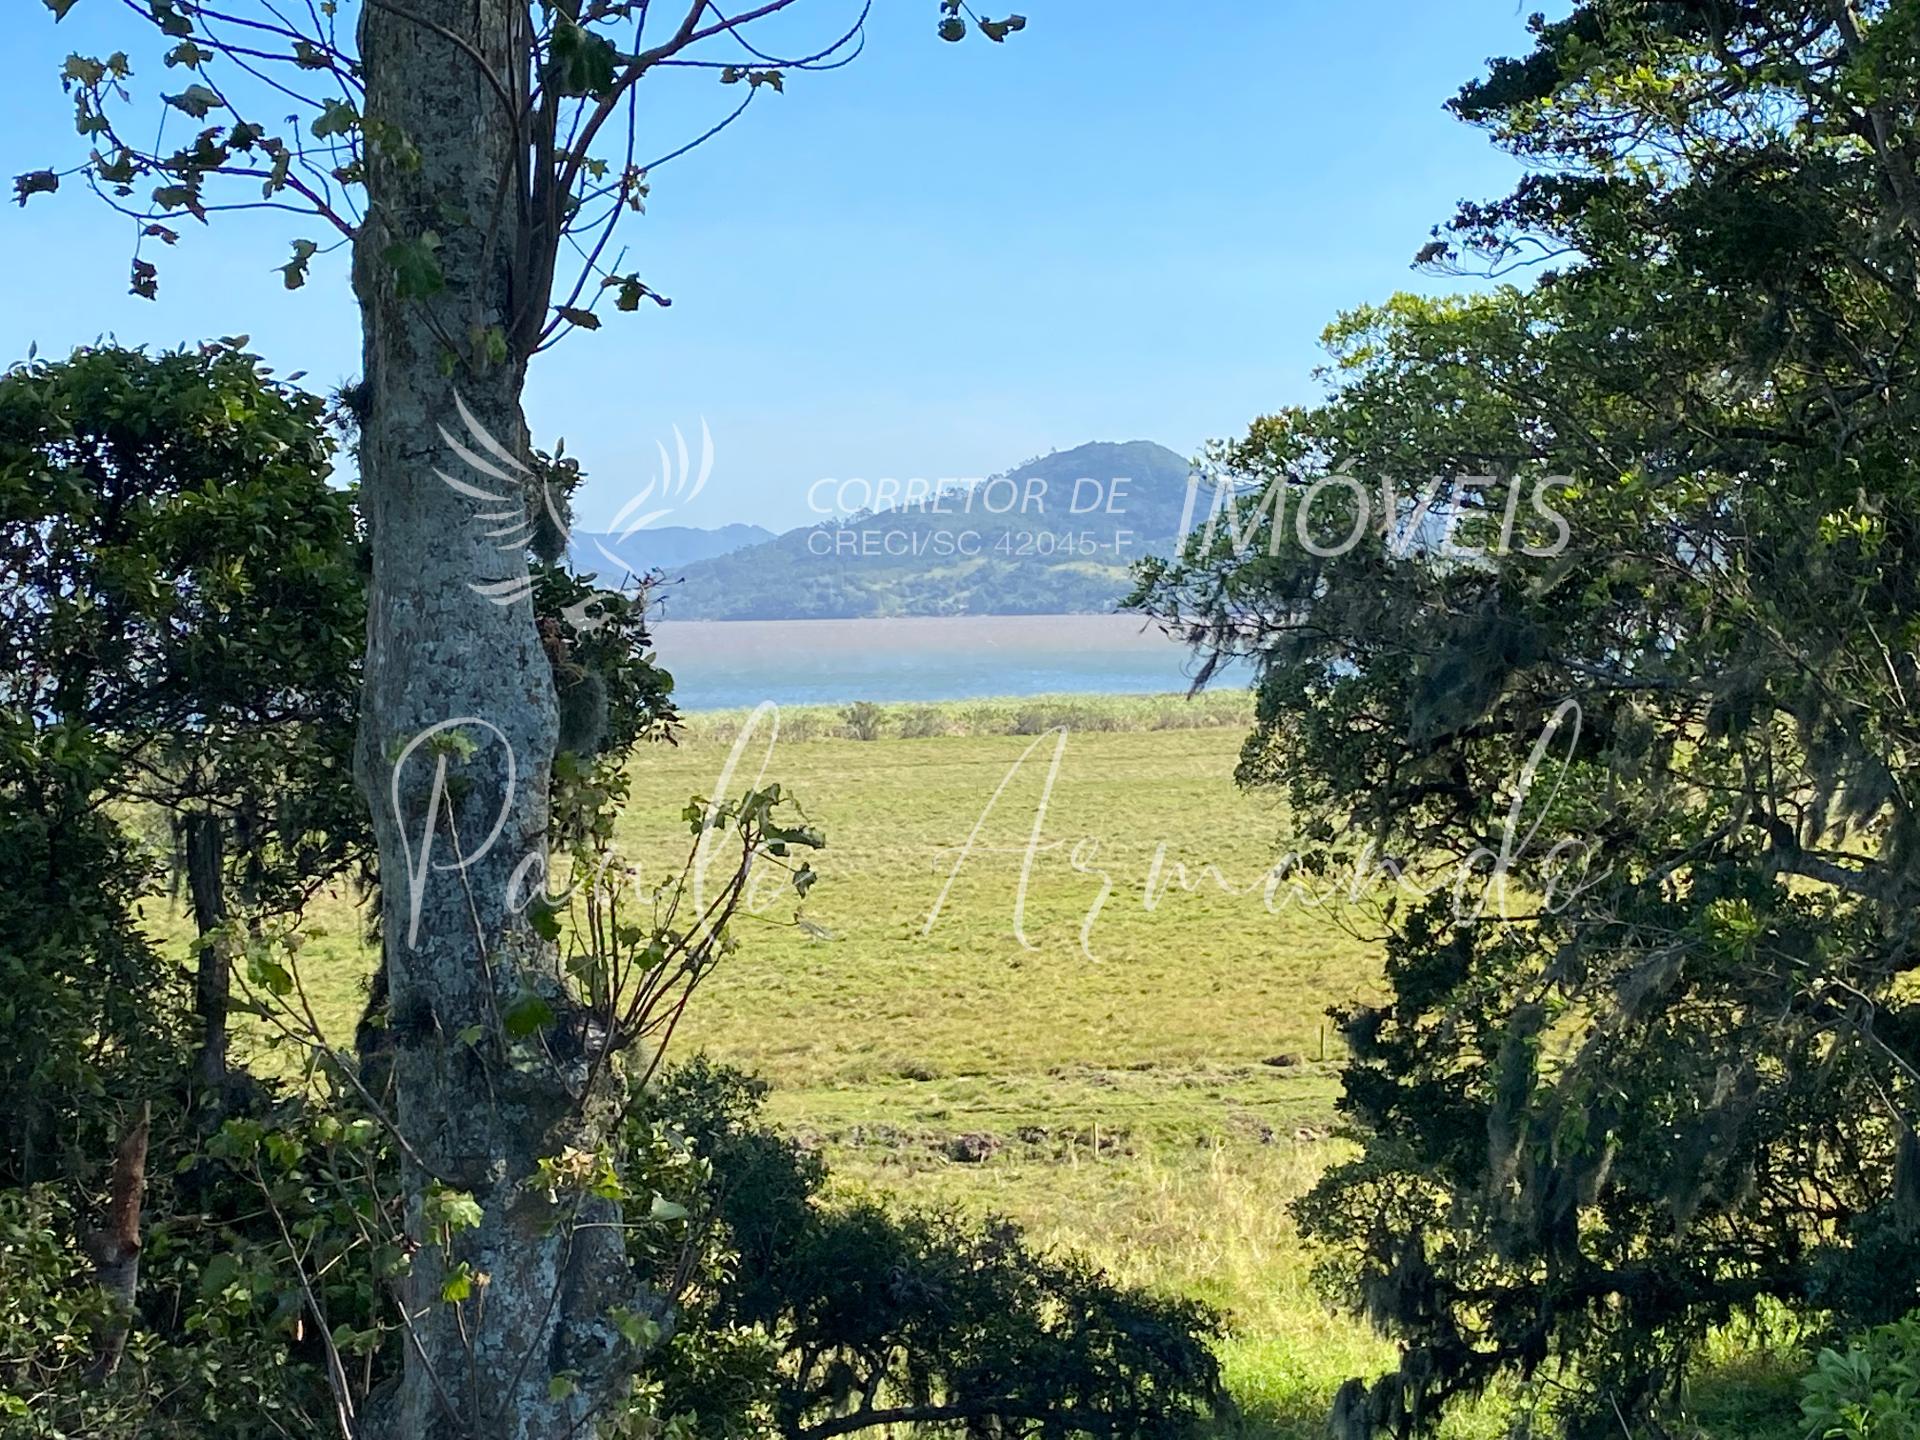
1057 534
667 547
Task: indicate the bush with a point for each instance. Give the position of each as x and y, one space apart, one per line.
926 1317
923 722
1030 715
1033 720
863 720
1872 1392
800 726
216 1350
89 1009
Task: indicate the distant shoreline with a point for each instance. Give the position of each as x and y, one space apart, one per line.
1101 711
1109 626
736 664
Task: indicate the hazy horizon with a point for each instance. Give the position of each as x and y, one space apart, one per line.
931 263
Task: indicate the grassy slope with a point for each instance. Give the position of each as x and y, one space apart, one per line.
1127 1092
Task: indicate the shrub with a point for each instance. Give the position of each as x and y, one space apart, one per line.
216 1352
800 725
1032 720
88 1007
921 1317
923 722
863 720
1872 1391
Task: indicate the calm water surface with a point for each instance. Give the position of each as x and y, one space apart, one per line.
723 664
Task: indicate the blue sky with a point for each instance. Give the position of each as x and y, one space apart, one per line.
1131 221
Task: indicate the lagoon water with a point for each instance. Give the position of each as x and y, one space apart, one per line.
724 664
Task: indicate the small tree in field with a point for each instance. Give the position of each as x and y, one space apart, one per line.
477 157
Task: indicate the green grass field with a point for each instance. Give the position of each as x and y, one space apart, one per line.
1140 1050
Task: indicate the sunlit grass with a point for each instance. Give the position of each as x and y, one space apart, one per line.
1139 1048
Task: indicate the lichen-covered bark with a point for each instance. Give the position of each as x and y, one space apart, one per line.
115 1246
478 1114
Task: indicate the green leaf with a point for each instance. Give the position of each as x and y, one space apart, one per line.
295 270
277 172
60 8
350 1341
544 920
639 1331
166 14
270 975
561 1386
180 197
83 70
221 1271
416 268
336 117
632 292
529 1013
665 1209
455 1209
458 1286
585 319
580 62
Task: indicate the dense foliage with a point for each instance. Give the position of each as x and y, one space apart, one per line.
795 1316
181 623
1868 1391
1637 793
181 617
882 1319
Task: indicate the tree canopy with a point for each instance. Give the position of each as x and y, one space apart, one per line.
180 629
1636 793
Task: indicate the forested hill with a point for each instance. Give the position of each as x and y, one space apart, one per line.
1055 535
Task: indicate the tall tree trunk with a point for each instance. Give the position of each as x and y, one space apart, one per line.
212 981
477 1114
